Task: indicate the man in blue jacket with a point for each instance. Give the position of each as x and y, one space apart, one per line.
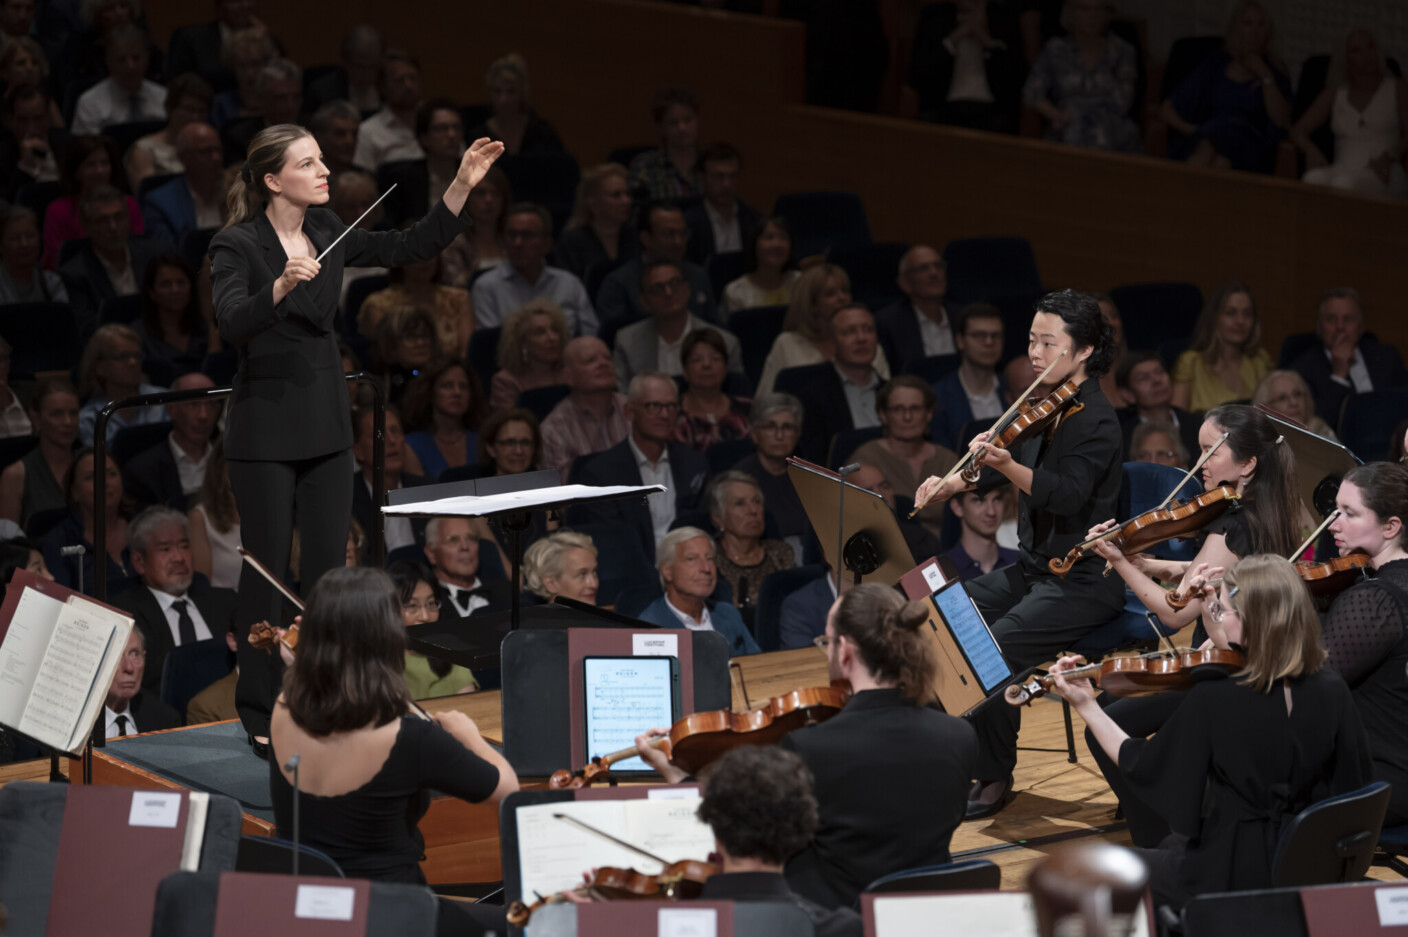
686 562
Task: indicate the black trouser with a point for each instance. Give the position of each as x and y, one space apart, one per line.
1033 617
316 494
1139 718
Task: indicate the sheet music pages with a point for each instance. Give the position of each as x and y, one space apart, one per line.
22 651
669 828
122 626
67 676
996 914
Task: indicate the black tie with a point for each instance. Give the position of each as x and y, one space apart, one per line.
462 597
184 626
121 725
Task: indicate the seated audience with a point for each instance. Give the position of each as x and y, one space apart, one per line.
23 63
564 563
132 706
803 615
1111 314
111 369
84 56
707 414
89 163
967 65
1083 83
443 406
21 553
21 278
35 483
14 414
404 344
279 100
1287 393
648 457
600 229
110 263
671 172
891 774
216 703
663 236
125 96
512 119
17 20
1235 107
215 525
905 405
1159 442
771 275
656 343
452 546
169 605
980 513
188 100
32 145
400 531
721 223
173 471
807 331
176 335
744 557
921 542
201 47
426 677
531 349
1346 361
844 396
592 418
510 443
1226 361
415 284
193 200
243 54
421 182
334 126
921 324
523 275
775 425
390 133
361 58
974 391
1146 390
481 248
689 577
77 529
1364 107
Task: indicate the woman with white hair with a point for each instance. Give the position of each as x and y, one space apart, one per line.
744 557
562 564
685 559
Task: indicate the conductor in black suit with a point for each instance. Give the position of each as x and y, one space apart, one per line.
288 434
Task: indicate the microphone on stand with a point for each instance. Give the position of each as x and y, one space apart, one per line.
843 471
292 765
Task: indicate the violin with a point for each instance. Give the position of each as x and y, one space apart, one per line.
1178 519
263 636
1145 675
682 880
700 739
1034 417
1334 575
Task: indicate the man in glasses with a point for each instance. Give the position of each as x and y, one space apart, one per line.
975 391
664 235
524 275
921 324
654 344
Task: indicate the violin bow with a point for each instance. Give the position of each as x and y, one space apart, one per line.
968 457
1329 519
587 827
1196 465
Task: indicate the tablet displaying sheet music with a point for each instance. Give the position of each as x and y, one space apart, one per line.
974 639
624 697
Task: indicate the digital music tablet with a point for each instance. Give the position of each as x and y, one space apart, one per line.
971 633
624 697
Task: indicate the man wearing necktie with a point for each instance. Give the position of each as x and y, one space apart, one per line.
129 708
452 547
125 95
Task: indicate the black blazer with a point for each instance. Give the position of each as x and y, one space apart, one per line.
898 331
892 781
87 279
1188 426
363 512
1383 362
617 466
701 232
290 398
150 477
150 713
497 591
216 606
825 411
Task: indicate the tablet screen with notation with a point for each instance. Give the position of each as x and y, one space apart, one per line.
624 697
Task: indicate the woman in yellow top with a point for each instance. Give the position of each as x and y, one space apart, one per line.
1226 362
426 677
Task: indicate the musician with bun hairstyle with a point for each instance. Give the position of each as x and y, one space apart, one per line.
288 436
1241 756
1366 628
1068 477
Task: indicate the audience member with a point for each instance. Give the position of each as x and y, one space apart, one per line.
32 147
84 56
22 553
707 414
531 350
16 20
807 336
188 101
744 558
404 343
130 706
400 531
843 397
803 615
362 54
389 134
1083 83
1346 361
663 236
689 577
1287 393
279 99
35 483
21 278
1146 391
334 125
421 182
1235 107
89 163
1226 361
600 229
1018 376
979 514
771 275
443 405
170 606
77 529
243 56
921 324
721 222
111 369
592 418
775 426
510 443
967 65
173 471
14 415
192 200
216 703
176 334
670 172
657 343
1364 108
482 247
905 405
23 63
648 457
414 285
974 391
215 525
426 677
200 48
110 262
512 120
564 563
452 546
125 96
523 275
1157 441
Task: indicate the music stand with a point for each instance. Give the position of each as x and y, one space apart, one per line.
1320 463
874 548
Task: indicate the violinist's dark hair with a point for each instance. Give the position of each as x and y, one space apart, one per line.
1385 487
885 630
758 801
350 668
1271 499
1086 326
267 152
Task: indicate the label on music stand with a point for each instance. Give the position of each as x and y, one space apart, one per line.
151 808
655 644
687 922
1393 906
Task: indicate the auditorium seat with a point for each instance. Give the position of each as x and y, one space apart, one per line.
772 592
1331 841
42 336
724 268
821 222
935 368
756 329
874 272
986 269
1153 313
1368 421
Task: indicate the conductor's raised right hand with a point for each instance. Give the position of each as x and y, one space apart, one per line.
297 270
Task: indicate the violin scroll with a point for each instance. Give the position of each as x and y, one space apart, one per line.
263 636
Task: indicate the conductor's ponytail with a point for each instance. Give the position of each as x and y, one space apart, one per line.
886 631
267 154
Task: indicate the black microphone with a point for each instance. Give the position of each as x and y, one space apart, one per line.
292 765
